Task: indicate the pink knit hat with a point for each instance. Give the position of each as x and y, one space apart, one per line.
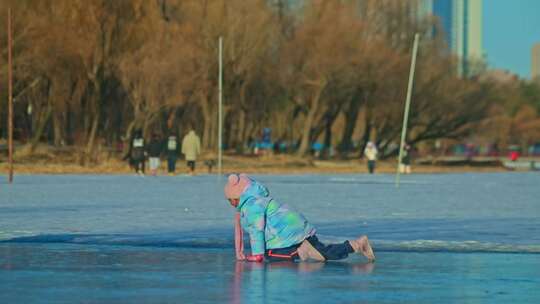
236 184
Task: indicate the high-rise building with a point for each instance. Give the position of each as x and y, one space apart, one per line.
461 23
535 61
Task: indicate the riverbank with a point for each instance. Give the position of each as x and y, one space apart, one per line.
275 164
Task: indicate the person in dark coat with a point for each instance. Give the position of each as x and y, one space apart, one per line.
137 152
405 166
173 148
154 152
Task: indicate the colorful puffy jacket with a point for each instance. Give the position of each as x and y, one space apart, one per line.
269 223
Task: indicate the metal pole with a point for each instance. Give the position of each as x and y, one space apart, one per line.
10 103
407 104
220 108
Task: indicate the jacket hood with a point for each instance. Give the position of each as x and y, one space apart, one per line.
255 189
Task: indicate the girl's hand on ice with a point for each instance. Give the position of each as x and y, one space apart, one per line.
240 256
255 258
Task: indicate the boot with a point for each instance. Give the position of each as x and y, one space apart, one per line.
362 246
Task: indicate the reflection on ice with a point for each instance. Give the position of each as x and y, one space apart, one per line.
269 280
53 273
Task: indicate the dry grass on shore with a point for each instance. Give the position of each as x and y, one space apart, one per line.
277 164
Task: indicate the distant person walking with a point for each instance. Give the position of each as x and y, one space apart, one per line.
370 152
154 153
137 148
405 166
191 148
172 152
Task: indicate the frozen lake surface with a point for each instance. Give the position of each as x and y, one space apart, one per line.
442 238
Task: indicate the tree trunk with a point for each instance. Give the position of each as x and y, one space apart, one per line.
327 137
90 142
325 121
58 128
206 132
94 108
351 116
3 121
127 138
207 120
40 127
240 134
213 144
171 118
306 130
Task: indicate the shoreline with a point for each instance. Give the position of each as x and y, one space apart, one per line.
246 164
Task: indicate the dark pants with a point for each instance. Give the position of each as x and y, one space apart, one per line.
191 165
371 166
329 252
171 164
138 164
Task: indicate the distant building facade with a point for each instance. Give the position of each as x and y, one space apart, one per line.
535 62
461 23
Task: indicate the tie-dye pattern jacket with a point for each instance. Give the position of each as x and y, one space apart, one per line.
269 223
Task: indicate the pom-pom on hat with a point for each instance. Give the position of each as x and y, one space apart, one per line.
236 185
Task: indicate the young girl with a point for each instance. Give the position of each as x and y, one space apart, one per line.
276 232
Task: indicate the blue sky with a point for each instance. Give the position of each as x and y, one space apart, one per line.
511 27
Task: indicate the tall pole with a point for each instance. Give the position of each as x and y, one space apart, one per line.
407 104
10 103
220 107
